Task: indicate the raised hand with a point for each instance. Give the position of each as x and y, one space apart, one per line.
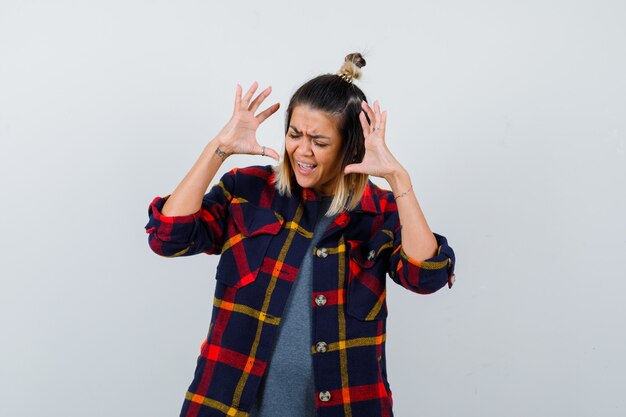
239 134
378 160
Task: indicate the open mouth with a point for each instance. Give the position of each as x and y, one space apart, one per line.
306 167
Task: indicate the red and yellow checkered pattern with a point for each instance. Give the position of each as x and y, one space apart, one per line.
261 238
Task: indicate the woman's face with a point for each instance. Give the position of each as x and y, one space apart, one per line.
313 141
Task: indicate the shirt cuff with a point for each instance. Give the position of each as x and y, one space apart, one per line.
157 205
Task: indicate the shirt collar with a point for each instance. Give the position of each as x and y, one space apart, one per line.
369 203
370 200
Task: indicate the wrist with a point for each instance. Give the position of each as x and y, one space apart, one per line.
399 180
218 150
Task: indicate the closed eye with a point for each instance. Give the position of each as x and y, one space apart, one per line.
318 144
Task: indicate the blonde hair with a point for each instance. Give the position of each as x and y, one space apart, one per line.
338 97
346 195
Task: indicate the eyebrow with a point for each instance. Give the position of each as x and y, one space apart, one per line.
313 136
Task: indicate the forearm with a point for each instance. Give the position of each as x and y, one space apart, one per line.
187 197
418 241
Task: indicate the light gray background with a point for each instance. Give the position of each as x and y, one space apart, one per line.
508 115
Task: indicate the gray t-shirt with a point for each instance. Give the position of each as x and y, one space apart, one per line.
287 389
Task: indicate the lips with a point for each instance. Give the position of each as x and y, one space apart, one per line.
306 166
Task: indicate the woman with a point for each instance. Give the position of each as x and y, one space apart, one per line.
305 247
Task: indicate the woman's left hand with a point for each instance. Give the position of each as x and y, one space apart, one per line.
378 160
418 241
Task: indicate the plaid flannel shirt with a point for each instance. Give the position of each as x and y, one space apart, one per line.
261 237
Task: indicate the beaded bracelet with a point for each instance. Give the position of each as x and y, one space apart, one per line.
404 193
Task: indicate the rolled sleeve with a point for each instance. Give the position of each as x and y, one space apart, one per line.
199 232
425 276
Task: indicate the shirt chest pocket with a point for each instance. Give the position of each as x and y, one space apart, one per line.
368 262
250 231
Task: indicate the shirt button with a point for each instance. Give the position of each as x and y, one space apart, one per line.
371 255
322 252
320 300
321 346
324 396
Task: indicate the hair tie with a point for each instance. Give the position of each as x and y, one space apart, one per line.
346 76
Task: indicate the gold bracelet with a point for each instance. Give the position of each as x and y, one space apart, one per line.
404 193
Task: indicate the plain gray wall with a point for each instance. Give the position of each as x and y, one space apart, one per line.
509 116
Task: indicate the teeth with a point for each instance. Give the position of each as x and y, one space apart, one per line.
305 165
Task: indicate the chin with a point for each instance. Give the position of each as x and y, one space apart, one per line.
305 184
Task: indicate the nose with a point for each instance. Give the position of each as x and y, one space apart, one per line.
305 147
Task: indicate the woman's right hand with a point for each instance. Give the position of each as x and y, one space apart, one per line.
239 134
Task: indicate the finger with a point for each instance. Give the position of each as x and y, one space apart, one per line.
259 99
383 125
365 107
364 124
377 114
268 152
370 113
237 97
267 112
246 99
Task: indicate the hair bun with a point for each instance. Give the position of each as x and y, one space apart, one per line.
351 68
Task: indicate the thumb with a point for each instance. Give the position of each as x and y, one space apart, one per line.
268 152
353 168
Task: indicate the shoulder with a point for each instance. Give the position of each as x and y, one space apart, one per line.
254 171
381 192
251 174
382 198
252 181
